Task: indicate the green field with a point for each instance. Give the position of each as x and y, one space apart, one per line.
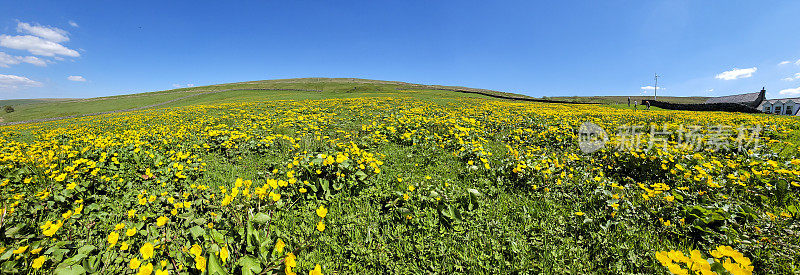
376 177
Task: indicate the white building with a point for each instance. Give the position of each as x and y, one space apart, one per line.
783 106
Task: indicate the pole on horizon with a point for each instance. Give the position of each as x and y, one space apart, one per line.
655 89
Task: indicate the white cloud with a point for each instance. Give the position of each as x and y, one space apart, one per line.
784 62
36 45
13 82
50 33
793 78
182 86
76 78
73 24
795 91
35 61
737 73
710 90
6 60
651 88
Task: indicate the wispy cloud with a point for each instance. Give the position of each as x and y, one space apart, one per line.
36 45
49 33
73 24
736 73
13 82
795 91
796 76
6 60
77 78
651 88
182 85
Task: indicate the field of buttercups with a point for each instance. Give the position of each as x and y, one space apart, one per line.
396 184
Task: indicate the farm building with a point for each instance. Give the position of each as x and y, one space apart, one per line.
752 100
757 100
783 106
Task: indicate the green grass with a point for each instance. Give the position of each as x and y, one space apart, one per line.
85 106
15 102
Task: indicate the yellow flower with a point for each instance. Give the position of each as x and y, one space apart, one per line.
200 263
145 269
411 188
36 251
134 263
405 196
320 226
316 271
161 272
161 221
224 254
123 246
322 211
113 237
279 246
130 232
146 250
196 250
579 213
52 228
290 262
131 214
38 262
20 250
119 226
71 186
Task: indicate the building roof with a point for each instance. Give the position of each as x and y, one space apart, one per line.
740 98
782 100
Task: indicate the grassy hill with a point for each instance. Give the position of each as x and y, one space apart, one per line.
318 88
31 109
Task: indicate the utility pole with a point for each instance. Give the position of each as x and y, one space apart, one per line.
655 90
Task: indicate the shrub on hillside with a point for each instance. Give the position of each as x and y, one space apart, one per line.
8 109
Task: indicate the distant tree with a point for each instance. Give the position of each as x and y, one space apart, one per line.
8 109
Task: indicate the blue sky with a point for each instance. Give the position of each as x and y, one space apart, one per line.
538 48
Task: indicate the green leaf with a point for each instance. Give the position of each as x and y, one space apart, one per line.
6 255
86 249
11 232
249 265
261 218
196 232
218 237
214 267
72 261
70 270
